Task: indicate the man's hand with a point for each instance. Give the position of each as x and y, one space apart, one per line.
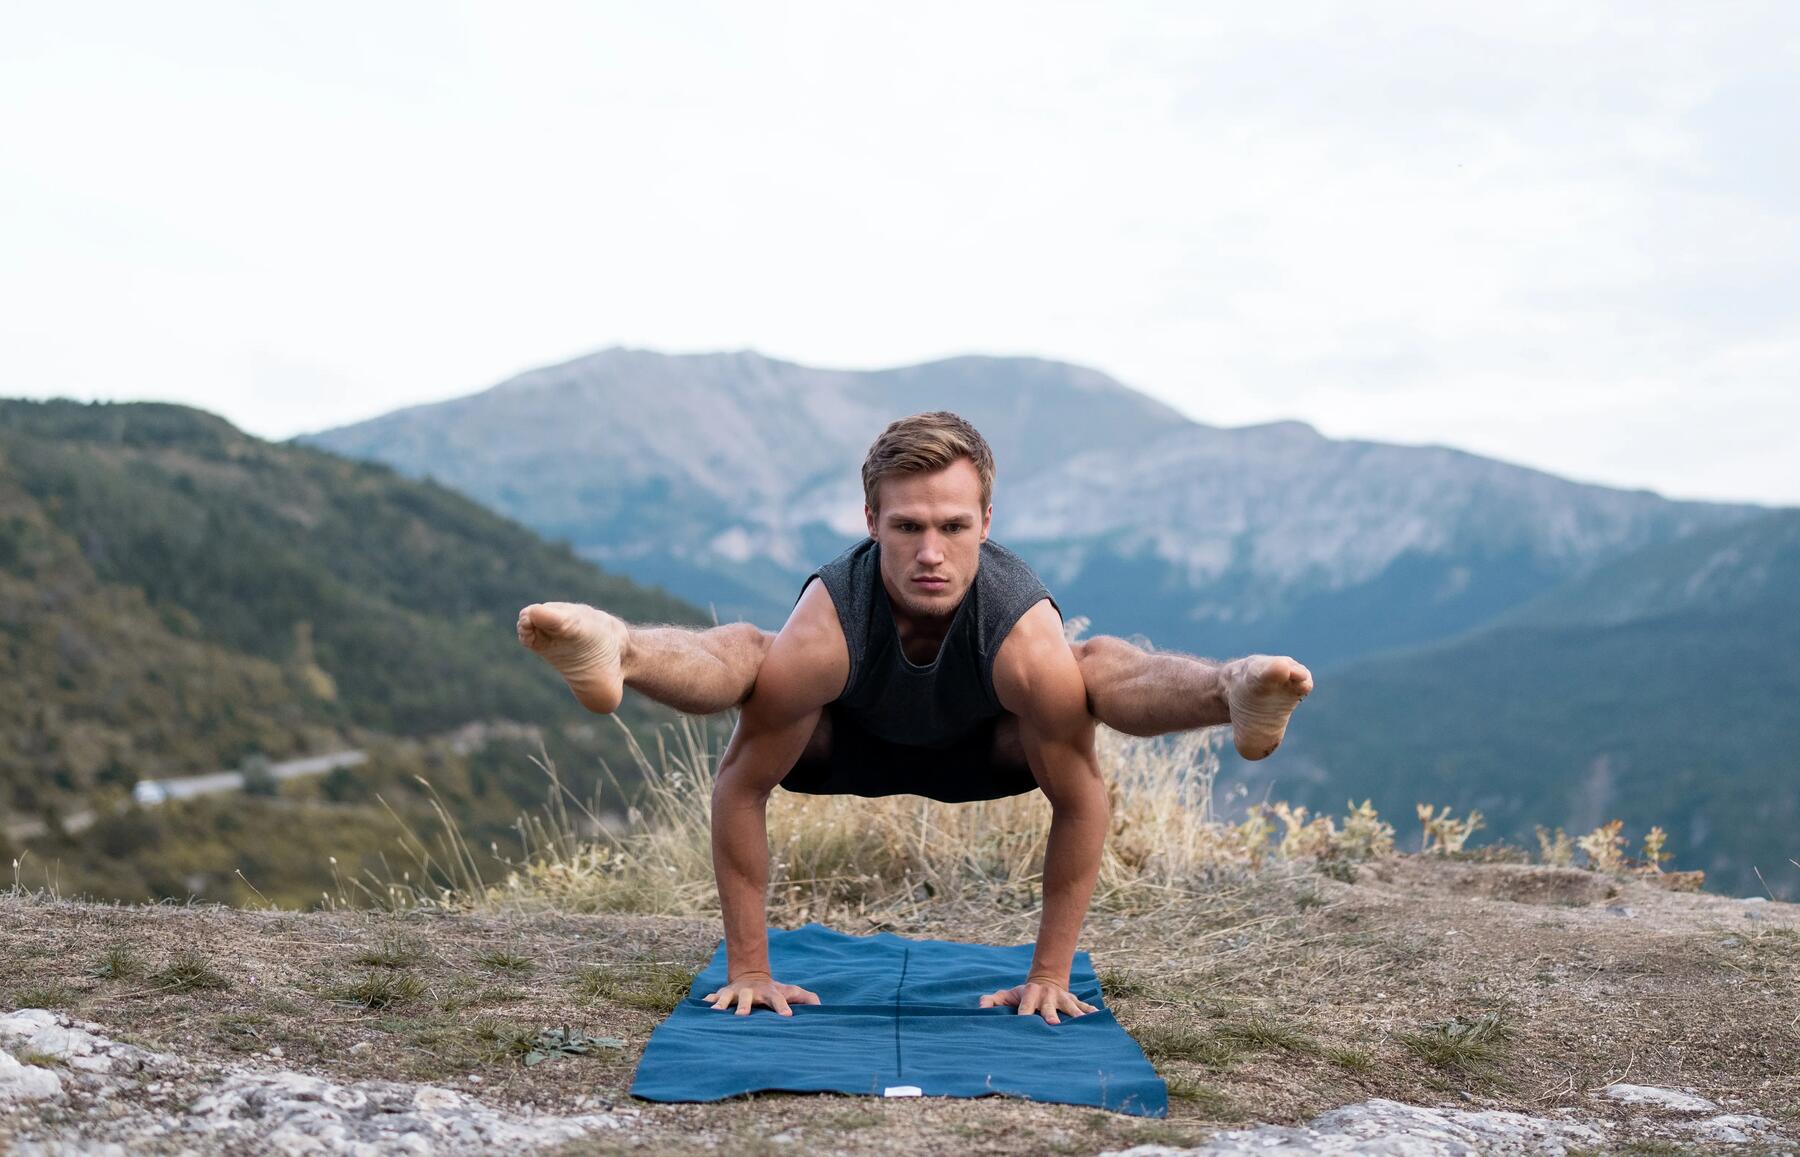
752 989
1042 996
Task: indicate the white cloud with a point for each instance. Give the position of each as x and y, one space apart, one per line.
1566 237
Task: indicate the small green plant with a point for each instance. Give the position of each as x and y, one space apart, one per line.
1178 1042
499 960
1308 898
379 989
1444 834
188 971
1365 835
654 987
391 952
1203 1097
1557 850
1605 847
1116 984
117 962
500 1041
562 1042
1352 1060
1262 1033
241 1032
1473 1047
44 996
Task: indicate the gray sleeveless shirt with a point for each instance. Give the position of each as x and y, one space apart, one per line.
938 703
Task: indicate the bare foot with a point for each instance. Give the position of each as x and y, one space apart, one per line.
585 645
1262 691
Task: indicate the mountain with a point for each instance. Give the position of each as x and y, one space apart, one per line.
726 477
1659 689
175 595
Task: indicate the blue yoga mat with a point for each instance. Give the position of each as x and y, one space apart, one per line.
897 1017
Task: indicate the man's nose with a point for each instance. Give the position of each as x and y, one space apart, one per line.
931 550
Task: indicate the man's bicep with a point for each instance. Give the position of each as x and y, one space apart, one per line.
805 669
1037 679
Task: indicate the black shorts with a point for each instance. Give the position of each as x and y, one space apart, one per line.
867 765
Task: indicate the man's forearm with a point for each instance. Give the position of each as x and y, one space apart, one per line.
740 846
1071 865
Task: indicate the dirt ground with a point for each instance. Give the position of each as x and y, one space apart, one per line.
1269 999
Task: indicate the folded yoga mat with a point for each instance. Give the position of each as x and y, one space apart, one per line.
897 1017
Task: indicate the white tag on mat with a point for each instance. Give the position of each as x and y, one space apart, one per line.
902 1091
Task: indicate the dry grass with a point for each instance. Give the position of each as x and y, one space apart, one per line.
859 862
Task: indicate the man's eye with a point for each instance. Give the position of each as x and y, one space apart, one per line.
953 527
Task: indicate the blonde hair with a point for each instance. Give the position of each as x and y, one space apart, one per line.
923 443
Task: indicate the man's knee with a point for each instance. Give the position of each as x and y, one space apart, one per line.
748 636
747 646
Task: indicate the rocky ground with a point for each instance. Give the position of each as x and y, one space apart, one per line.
1425 1006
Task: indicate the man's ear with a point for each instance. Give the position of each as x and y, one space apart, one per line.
987 520
869 517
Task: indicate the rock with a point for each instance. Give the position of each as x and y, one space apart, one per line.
1681 1101
1733 1128
21 1082
1381 1126
209 1106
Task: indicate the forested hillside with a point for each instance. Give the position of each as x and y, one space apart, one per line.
1659 690
176 595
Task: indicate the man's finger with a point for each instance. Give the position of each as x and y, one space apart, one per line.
1029 1002
804 996
781 1005
746 998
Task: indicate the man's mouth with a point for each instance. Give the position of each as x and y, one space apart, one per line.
933 583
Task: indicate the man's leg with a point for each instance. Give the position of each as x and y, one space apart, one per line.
1153 693
599 655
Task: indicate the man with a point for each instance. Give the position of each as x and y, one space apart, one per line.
925 660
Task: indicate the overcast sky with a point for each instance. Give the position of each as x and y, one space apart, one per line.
1564 235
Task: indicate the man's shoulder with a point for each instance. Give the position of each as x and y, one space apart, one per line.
1000 562
809 661
1034 664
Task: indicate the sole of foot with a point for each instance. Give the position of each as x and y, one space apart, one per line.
584 644
1262 692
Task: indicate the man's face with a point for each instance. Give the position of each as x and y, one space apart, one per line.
930 527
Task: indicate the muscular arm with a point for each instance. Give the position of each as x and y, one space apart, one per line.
1036 678
805 669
